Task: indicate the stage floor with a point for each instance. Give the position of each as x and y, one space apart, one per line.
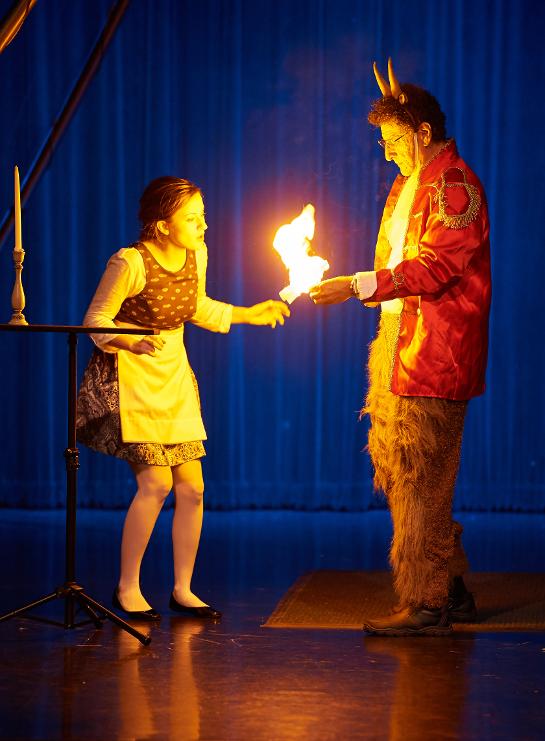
236 680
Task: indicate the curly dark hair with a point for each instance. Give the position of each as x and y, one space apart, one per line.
421 107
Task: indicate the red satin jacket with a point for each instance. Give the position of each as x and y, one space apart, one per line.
445 280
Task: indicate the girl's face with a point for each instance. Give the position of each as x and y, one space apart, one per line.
186 227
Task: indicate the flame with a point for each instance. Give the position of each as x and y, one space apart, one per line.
292 242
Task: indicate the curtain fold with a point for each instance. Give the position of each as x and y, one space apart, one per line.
264 105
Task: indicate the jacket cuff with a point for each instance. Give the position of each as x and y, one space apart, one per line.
365 284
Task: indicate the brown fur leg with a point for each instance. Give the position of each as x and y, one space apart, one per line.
458 564
424 533
414 444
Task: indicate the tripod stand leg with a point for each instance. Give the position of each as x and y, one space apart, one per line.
93 616
31 605
82 597
71 593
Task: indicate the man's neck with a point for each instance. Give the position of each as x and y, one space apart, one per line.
429 152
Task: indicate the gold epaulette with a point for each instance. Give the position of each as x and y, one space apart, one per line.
458 221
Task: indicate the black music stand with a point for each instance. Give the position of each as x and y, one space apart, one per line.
71 591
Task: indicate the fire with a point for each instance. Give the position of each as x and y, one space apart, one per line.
292 242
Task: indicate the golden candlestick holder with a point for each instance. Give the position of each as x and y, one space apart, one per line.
18 294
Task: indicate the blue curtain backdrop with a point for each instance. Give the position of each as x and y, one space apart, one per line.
264 105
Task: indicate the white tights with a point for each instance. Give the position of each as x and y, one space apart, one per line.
154 485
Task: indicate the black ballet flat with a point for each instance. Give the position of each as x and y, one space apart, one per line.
205 613
149 615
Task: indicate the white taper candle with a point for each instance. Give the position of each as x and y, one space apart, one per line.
17 201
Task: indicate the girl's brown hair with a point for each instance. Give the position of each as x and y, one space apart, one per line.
160 199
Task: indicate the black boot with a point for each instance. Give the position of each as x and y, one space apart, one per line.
461 604
412 621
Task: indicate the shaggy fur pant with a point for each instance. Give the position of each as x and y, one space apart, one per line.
414 444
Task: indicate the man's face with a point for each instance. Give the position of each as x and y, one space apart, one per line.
399 146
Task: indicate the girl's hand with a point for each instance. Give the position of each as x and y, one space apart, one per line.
267 313
151 344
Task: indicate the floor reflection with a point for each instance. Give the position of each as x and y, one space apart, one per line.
135 695
429 686
160 698
235 680
185 703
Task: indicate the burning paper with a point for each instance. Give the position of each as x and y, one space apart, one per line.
292 242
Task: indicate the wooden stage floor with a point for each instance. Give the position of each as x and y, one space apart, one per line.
236 680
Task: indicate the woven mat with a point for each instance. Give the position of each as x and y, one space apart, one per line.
343 600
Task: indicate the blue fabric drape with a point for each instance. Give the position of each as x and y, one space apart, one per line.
264 105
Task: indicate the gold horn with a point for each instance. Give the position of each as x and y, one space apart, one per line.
381 82
395 87
394 84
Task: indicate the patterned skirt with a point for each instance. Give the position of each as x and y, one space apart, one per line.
98 422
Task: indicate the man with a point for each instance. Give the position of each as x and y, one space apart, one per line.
432 281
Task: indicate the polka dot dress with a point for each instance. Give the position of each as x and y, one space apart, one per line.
168 299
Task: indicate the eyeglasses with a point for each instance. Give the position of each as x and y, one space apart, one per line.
384 142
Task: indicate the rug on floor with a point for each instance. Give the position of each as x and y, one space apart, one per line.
343 600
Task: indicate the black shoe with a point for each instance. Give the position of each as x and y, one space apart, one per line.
150 614
461 603
205 612
411 621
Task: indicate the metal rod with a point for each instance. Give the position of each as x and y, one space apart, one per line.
44 155
13 20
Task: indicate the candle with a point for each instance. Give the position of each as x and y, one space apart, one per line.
17 201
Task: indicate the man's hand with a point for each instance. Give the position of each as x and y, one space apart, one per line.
332 291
